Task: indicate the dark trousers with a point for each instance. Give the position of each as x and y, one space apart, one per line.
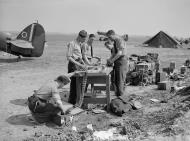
72 96
120 71
112 87
40 106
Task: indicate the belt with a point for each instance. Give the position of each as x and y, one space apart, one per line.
121 58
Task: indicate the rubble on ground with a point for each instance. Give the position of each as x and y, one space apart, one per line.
160 113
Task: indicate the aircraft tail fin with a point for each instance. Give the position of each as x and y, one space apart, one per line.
27 33
35 34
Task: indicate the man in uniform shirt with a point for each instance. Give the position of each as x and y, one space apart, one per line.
88 52
75 61
47 100
118 59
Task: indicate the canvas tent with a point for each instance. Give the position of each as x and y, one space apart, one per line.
163 40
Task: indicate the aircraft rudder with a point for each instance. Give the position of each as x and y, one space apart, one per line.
38 40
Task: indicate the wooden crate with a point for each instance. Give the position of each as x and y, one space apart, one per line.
163 85
160 76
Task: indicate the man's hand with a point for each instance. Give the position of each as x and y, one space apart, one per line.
109 62
71 74
99 59
63 110
62 113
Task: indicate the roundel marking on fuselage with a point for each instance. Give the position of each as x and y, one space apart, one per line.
24 34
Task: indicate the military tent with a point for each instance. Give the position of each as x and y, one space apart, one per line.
163 40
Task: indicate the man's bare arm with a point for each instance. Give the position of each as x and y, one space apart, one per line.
75 62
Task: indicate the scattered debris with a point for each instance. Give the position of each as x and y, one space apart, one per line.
155 100
89 127
34 126
158 113
98 111
116 122
104 135
25 129
38 134
74 128
76 111
136 104
178 88
142 69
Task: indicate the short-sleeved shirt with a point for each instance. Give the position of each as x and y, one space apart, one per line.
49 92
74 50
87 50
120 44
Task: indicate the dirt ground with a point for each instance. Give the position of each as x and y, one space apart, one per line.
19 79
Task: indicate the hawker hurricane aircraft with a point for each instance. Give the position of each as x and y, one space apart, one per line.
29 43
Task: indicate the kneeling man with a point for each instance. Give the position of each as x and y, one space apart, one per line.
46 100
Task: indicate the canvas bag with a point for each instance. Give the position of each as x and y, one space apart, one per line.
119 106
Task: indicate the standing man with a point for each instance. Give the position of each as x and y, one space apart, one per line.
74 56
87 50
118 59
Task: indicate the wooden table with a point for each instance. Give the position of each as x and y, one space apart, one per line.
95 77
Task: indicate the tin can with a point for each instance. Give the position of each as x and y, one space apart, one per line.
172 65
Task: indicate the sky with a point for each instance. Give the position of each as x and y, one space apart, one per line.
137 17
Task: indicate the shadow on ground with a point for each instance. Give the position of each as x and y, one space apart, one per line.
21 102
13 60
22 119
28 120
